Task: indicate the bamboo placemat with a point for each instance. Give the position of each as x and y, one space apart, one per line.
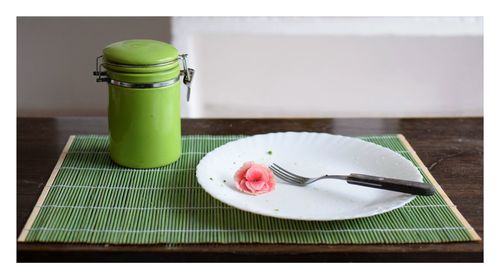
89 199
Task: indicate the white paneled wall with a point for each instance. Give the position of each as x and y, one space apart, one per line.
333 67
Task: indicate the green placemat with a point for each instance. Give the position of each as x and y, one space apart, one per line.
90 199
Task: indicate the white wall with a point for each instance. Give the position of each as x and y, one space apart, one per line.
333 67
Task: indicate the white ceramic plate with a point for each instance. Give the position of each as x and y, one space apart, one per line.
310 155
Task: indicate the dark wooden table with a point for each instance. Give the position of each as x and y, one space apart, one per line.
452 148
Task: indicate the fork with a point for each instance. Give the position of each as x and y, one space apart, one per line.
385 183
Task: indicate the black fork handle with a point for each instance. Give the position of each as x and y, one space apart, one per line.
391 184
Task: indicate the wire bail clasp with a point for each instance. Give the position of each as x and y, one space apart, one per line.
101 75
188 74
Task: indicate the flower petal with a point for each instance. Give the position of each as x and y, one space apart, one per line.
256 185
240 173
257 172
254 179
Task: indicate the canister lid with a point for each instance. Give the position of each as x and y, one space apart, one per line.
140 52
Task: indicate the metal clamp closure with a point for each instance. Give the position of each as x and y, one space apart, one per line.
187 72
101 75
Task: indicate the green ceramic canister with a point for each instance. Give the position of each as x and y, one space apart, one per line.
144 118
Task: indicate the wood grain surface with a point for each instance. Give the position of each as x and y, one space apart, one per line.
452 149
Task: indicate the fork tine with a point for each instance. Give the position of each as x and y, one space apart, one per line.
287 173
284 176
280 174
290 173
287 177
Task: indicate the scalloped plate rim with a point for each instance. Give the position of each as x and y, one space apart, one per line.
402 201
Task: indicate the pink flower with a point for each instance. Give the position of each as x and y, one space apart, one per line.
254 179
